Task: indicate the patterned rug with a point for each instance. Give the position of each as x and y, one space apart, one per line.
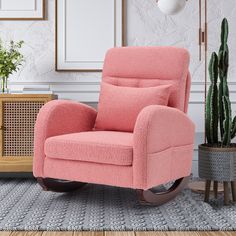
24 206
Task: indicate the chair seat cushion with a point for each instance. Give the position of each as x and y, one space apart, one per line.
105 147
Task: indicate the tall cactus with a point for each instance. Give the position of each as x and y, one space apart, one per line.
223 72
218 106
212 102
227 126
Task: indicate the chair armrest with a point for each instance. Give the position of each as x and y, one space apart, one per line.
59 117
158 128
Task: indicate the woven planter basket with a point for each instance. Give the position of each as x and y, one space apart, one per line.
217 164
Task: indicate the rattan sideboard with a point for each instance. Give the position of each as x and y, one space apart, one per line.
18 114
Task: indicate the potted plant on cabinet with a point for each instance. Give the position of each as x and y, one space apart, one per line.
10 61
217 157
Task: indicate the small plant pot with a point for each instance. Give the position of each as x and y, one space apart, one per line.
218 165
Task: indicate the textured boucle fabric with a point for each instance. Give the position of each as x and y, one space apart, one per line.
114 116
148 67
56 118
114 148
161 146
167 135
89 172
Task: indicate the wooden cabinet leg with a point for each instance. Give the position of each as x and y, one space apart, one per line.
226 193
215 189
207 190
233 189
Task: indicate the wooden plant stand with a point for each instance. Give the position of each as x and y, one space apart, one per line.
227 186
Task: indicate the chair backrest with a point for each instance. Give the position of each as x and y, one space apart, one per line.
150 66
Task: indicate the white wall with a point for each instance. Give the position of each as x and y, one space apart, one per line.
145 26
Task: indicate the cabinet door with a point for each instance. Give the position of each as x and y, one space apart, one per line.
1 129
17 120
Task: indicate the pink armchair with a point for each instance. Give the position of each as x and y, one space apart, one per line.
70 152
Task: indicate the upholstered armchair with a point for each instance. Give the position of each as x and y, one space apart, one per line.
141 136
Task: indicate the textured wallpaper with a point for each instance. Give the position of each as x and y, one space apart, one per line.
146 25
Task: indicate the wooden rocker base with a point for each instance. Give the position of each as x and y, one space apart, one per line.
148 197
61 186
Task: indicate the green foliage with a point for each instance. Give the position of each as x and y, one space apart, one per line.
10 59
233 129
223 72
227 122
218 106
224 31
212 102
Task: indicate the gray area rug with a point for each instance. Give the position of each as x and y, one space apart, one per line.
24 206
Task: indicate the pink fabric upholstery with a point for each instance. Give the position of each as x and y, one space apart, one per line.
57 118
149 67
112 116
163 146
162 140
88 172
114 148
187 92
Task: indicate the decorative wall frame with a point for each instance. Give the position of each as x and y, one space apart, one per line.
85 30
22 9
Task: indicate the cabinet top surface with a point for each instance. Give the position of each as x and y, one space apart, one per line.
27 96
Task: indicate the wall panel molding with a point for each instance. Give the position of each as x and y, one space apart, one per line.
85 30
93 87
22 10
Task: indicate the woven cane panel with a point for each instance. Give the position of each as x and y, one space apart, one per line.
218 166
18 122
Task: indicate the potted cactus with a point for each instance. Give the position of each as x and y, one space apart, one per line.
217 157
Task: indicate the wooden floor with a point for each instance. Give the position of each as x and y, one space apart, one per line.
117 233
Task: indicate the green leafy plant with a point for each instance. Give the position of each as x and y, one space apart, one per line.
218 106
10 60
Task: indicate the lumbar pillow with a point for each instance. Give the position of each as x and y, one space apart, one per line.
119 107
